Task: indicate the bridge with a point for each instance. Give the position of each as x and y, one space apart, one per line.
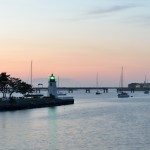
87 89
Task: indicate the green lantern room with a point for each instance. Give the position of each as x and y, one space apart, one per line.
52 78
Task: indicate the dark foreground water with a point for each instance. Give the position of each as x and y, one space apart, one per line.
94 122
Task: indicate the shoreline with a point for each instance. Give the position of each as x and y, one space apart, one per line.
32 103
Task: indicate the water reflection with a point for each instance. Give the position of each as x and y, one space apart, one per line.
52 127
98 123
3 121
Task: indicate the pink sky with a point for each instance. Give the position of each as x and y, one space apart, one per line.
76 42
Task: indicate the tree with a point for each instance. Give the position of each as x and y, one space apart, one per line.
18 86
14 84
10 85
4 83
24 88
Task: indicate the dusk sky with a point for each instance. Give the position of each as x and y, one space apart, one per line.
75 39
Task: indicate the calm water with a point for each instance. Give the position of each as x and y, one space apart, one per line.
94 122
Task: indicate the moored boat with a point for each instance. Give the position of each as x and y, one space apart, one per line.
97 84
146 92
123 95
97 92
146 86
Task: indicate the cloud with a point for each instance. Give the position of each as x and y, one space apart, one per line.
110 9
100 11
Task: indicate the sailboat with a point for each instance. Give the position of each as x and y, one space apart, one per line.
32 95
122 94
146 87
97 92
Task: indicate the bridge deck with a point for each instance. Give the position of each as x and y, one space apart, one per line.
91 88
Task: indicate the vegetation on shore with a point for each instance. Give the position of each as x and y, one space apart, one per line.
10 85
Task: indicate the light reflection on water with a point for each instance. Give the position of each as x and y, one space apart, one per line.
101 122
52 126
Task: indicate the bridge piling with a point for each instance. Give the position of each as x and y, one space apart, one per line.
105 90
132 90
37 91
87 90
70 91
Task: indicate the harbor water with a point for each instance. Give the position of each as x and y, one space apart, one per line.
94 122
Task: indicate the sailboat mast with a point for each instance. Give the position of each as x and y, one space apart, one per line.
145 79
97 80
122 77
31 72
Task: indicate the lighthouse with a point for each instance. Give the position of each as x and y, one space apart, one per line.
52 89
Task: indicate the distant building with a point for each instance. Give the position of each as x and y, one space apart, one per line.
139 85
134 85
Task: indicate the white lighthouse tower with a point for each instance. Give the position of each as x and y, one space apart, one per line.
52 88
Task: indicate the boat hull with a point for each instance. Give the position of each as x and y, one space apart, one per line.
97 93
123 95
146 92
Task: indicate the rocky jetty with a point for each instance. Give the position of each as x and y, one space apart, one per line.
29 103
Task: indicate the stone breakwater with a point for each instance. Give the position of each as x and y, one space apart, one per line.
19 104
